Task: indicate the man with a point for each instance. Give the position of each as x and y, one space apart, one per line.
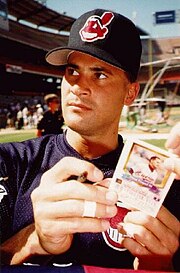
173 144
52 120
51 217
147 171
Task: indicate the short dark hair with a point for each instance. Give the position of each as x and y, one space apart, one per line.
154 157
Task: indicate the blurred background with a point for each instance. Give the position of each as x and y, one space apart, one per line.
30 28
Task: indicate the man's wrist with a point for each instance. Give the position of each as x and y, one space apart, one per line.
21 247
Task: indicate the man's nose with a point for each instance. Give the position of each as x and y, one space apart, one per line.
80 87
78 91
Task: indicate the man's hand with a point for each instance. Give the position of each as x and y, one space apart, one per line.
153 240
173 144
173 141
22 246
58 204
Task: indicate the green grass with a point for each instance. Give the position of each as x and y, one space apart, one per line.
16 136
157 142
24 135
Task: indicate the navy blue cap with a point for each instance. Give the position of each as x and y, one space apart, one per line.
106 35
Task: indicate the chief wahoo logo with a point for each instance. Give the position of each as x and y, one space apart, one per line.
95 27
112 236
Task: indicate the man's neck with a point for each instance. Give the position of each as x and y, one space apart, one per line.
92 146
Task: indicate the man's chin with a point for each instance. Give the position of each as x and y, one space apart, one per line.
81 129
76 122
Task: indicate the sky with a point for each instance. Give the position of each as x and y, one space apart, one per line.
139 11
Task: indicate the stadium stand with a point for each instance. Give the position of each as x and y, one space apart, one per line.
24 71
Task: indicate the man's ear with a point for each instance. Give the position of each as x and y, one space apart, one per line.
132 93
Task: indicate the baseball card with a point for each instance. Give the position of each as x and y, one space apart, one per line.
140 178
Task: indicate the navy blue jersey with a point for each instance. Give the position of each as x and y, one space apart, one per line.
21 167
51 123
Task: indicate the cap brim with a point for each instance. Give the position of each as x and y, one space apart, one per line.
58 56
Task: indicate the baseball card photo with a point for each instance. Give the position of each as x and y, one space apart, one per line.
140 178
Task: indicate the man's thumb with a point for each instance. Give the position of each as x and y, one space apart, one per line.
173 165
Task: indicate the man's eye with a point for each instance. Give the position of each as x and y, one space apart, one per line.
72 71
101 76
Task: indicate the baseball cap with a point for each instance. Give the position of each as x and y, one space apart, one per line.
50 97
106 35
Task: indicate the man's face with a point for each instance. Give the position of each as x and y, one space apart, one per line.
54 104
155 163
93 94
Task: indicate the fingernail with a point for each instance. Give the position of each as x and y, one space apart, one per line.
111 211
120 228
169 164
98 174
111 196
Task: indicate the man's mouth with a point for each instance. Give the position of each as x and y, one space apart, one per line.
77 105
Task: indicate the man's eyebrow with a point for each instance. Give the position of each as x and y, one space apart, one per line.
72 65
93 68
101 69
